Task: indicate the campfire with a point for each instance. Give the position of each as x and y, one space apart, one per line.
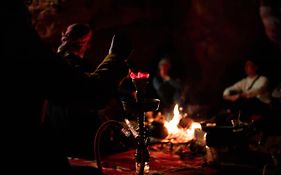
182 129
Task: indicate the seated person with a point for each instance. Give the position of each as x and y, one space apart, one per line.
167 89
250 95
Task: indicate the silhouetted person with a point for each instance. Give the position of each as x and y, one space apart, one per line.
36 75
270 13
74 44
75 123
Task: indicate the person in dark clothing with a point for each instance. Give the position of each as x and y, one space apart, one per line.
270 13
35 76
75 123
75 42
167 88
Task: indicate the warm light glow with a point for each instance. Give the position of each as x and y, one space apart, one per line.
172 125
180 135
139 75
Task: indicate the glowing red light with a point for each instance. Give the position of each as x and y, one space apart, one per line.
139 75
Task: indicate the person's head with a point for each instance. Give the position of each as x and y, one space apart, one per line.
270 13
251 67
164 66
76 39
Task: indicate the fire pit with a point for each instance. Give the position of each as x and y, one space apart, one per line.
183 135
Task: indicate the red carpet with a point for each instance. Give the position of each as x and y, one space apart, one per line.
161 162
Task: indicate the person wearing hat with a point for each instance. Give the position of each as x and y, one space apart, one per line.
77 122
36 75
74 44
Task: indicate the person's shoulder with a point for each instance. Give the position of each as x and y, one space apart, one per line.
264 78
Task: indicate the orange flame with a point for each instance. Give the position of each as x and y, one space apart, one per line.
172 125
180 134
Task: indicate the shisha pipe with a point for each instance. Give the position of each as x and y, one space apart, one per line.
139 106
140 81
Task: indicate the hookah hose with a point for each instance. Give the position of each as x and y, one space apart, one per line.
98 137
102 128
109 123
99 133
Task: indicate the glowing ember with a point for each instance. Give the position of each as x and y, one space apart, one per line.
180 135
